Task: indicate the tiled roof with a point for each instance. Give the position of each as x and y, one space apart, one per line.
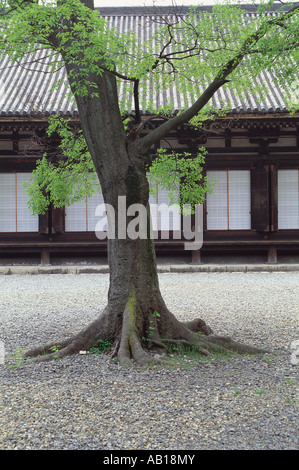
26 90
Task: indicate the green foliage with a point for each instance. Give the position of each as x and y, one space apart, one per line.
189 51
65 180
72 177
208 114
82 37
182 350
16 359
154 318
171 170
202 44
102 346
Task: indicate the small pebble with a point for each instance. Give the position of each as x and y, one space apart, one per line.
89 402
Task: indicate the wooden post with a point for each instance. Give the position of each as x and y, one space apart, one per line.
45 257
260 199
272 255
196 257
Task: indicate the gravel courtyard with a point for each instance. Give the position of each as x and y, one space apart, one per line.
87 402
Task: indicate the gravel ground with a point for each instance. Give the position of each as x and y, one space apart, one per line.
87 402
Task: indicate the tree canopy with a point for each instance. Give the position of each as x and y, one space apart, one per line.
197 53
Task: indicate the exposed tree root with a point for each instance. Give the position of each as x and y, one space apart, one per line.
84 340
131 346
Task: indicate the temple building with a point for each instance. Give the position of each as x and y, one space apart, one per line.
253 152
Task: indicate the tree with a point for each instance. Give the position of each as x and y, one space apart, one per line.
212 50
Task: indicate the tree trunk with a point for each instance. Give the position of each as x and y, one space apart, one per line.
136 318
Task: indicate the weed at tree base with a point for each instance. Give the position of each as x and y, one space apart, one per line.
102 346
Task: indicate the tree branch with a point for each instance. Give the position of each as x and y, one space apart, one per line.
221 78
136 102
147 141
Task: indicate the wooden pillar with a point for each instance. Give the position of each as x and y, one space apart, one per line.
45 257
260 199
196 257
272 255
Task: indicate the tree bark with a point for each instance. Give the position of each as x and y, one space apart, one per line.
136 318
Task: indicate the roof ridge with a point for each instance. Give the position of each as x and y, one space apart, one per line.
141 10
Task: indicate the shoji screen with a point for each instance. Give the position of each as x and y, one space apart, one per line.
228 208
25 221
239 200
217 216
164 216
288 199
80 217
8 200
92 204
76 217
15 215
